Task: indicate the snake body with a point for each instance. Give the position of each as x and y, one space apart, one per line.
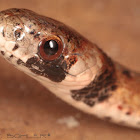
70 66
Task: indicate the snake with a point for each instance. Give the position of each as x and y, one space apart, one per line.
75 69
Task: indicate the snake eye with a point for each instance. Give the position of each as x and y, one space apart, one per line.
50 48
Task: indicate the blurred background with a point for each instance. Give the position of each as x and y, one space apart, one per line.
28 108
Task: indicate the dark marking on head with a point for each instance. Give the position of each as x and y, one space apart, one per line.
3 33
36 35
127 73
32 32
53 70
2 52
19 62
17 24
100 89
11 56
15 47
71 61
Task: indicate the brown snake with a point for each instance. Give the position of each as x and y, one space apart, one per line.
70 66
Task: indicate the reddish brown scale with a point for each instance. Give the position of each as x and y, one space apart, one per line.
71 61
9 13
120 107
128 113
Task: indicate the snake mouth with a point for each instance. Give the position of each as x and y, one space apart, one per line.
39 68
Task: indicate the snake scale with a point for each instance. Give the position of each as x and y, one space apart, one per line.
70 66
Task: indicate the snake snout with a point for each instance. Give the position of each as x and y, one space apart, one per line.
7 38
13 41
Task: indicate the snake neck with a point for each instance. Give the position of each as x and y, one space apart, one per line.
103 85
128 92
113 81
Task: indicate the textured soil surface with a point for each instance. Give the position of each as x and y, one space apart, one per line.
27 108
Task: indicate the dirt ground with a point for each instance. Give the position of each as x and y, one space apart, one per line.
27 108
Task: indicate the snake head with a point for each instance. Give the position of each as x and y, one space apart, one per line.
45 48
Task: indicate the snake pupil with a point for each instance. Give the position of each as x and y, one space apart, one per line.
50 47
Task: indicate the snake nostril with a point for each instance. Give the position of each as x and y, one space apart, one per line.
19 34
